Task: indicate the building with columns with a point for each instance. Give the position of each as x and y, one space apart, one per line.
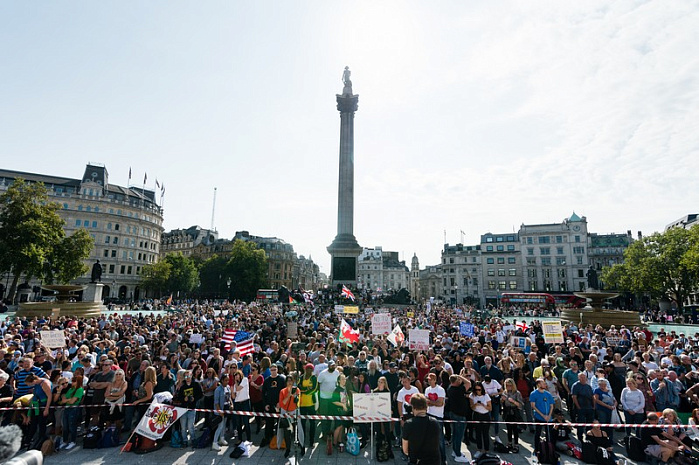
460 274
502 266
125 223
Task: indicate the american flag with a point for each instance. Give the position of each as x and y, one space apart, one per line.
246 347
228 337
347 293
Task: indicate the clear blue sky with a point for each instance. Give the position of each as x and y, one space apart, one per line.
473 116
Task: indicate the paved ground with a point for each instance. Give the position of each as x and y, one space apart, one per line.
265 456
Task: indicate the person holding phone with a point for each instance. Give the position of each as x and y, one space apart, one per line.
481 406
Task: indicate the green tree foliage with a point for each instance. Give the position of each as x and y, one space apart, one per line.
212 276
32 239
183 274
662 265
66 261
155 277
247 269
245 266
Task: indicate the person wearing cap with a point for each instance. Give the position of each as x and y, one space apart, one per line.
308 386
563 440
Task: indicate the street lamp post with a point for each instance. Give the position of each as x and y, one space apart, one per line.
456 295
228 282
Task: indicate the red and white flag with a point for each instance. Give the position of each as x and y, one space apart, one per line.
157 420
522 325
347 293
347 334
246 347
396 337
228 337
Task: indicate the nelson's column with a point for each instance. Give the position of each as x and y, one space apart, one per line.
344 250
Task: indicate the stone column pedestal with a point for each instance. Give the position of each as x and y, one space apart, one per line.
93 293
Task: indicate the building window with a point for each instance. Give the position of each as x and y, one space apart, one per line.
559 239
491 284
124 254
501 248
559 250
86 223
547 286
489 239
122 269
532 285
115 240
510 238
116 227
546 273
544 240
94 224
560 261
111 269
114 252
499 239
129 270
511 260
579 260
562 285
530 240
581 274
579 250
544 250
488 248
531 261
106 253
531 273
107 239
502 285
577 238
512 272
581 286
491 272
530 250
490 260
78 222
475 281
80 208
513 285
562 273
510 248
501 260
501 272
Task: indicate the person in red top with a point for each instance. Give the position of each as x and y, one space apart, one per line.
288 401
256 382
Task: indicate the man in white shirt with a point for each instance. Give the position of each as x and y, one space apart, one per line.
327 381
436 396
320 366
403 398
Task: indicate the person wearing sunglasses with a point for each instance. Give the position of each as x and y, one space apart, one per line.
481 406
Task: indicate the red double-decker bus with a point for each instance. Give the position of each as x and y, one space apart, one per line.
569 301
527 298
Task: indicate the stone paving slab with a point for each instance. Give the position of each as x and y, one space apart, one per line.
263 456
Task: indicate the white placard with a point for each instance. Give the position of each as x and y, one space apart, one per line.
53 339
381 323
196 339
553 332
339 308
375 404
292 330
419 339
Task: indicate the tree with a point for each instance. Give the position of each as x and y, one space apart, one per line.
662 265
212 276
32 239
156 276
67 259
247 269
183 274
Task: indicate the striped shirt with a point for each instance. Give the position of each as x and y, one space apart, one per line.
21 387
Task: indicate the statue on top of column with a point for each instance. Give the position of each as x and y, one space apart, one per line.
347 90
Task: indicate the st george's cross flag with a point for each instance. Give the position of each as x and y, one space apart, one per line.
347 293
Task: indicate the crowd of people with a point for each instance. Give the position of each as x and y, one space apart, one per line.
496 392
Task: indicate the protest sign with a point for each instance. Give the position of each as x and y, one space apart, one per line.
518 342
381 323
396 337
339 308
419 339
293 330
466 329
53 339
351 309
196 339
157 420
128 320
376 404
553 332
410 314
613 341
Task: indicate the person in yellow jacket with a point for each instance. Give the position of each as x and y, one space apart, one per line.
308 386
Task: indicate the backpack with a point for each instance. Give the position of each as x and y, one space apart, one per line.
92 438
205 440
382 450
634 448
488 459
48 448
589 452
176 439
547 452
604 457
110 438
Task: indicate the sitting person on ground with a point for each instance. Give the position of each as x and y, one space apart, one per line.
654 442
562 434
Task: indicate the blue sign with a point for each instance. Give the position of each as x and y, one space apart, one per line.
466 329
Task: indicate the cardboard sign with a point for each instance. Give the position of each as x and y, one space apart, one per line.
553 332
372 405
419 339
351 309
381 323
53 339
292 330
613 341
466 329
128 320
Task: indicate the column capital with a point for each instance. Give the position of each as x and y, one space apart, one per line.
347 103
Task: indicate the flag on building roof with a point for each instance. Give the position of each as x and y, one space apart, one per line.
129 174
347 293
348 335
145 178
157 184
